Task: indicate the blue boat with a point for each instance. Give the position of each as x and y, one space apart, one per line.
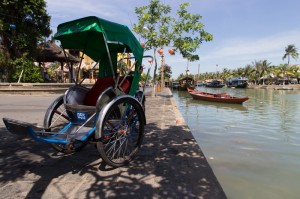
214 84
240 82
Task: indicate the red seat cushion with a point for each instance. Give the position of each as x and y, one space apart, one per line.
100 85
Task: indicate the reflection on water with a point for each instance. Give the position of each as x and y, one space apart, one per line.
218 105
253 148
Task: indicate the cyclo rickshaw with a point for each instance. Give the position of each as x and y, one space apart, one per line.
110 114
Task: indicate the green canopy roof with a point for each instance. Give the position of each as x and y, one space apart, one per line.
90 33
96 37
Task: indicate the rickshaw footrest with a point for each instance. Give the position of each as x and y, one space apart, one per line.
24 129
19 127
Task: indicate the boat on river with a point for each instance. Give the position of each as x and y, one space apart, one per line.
185 83
175 85
215 84
241 82
222 97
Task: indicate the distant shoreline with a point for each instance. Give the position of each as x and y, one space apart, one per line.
276 87
53 86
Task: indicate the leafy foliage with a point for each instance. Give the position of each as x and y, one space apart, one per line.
4 60
188 33
22 25
157 26
290 51
31 73
153 26
167 71
143 78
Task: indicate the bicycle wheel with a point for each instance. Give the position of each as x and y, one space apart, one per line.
57 118
141 98
122 133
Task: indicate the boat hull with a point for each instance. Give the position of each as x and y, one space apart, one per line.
185 87
237 82
245 85
221 98
215 86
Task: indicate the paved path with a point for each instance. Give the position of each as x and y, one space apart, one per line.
169 165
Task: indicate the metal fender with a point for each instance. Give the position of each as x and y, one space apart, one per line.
50 108
104 111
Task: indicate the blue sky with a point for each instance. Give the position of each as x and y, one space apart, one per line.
244 31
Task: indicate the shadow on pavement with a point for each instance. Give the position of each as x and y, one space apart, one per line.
170 164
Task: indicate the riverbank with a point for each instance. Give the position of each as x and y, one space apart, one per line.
253 148
28 88
276 87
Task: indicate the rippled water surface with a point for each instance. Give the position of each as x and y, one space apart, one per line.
254 148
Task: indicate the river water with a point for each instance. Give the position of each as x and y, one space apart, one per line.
254 148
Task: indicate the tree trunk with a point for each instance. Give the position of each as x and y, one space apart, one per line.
155 66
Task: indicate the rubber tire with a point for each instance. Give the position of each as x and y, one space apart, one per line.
118 136
58 104
138 95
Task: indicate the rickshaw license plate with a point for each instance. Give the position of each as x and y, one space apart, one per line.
81 115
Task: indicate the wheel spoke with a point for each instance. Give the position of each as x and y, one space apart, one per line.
122 133
55 119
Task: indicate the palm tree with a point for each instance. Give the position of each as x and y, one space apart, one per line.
240 71
294 71
290 51
261 68
248 70
282 71
226 73
265 68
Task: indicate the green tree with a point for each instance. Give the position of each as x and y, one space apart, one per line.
294 72
143 78
152 26
290 51
185 33
240 72
248 71
261 68
188 33
226 73
25 70
22 25
4 60
282 72
167 71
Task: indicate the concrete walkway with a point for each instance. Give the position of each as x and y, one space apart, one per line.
169 165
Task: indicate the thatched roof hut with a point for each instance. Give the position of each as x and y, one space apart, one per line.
50 52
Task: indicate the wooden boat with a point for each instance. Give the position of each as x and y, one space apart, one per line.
186 83
175 85
222 98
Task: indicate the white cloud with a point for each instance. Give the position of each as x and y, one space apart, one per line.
239 52
233 53
255 46
64 10
229 52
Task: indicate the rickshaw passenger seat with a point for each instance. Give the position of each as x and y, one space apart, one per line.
101 84
75 95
